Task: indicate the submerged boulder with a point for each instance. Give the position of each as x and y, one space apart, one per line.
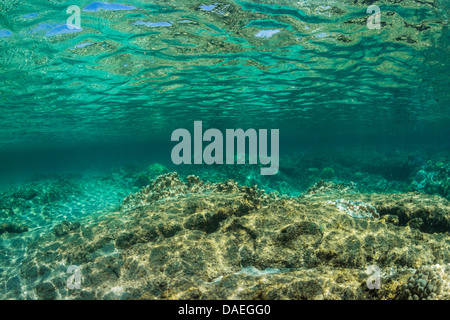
26 193
12 228
65 227
177 239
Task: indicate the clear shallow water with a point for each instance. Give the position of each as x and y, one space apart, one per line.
371 104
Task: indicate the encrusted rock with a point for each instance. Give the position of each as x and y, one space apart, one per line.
330 187
221 240
428 283
12 228
65 227
356 209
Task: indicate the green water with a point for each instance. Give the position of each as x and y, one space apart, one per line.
324 72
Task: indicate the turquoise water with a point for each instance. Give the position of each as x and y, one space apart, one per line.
87 112
118 80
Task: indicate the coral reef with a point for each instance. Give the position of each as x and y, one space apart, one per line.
356 209
428 283
190 239
433 178
323 187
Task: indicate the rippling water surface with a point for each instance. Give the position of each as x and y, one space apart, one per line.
140 69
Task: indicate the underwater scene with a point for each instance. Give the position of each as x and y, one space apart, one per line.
224 150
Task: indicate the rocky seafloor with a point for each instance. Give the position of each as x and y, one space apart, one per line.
161 235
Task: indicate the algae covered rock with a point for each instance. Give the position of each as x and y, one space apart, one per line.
12 228
356 209
327 173
145 177
65 227
46 291
26 193
190 239
430 214
322 187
